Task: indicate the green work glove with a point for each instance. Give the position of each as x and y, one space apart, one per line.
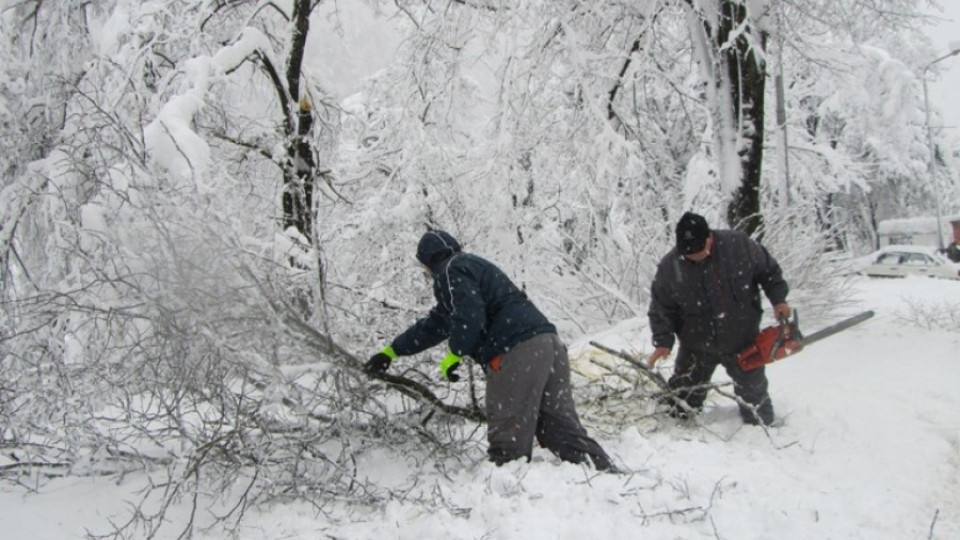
448 367
378 363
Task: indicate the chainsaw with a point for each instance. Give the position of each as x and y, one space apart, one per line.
778 342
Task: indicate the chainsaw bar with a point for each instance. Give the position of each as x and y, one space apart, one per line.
836 327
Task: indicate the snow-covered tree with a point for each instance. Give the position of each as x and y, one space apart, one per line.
209 210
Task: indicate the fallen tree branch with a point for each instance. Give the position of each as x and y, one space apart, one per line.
293 322
654 376
420 391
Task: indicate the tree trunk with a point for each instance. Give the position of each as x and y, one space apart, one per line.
299 175
746 71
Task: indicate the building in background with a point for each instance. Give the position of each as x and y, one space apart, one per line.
920 231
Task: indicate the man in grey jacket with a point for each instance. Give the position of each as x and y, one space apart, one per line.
706 294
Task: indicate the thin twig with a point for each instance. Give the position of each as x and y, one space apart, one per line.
933 524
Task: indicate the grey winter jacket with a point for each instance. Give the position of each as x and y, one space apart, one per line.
479 309
714 305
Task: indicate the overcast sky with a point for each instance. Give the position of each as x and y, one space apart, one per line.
945 89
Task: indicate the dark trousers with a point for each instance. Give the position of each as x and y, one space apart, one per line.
530 396
693 372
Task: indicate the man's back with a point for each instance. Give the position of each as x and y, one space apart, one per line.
471 289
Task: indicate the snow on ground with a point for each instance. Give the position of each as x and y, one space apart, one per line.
870 448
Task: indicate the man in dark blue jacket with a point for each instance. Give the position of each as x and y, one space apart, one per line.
482 314
706 292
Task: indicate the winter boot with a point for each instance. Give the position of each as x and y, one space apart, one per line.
763 413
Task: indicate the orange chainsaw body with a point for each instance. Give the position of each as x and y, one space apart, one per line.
773 343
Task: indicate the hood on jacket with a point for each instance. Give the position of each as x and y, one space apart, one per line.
435 247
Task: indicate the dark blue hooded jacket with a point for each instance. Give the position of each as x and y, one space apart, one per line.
479 310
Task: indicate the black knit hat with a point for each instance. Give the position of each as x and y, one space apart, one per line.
692 233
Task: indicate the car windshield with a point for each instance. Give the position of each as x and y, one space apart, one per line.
889 258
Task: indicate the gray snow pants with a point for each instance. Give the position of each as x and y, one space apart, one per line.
530 395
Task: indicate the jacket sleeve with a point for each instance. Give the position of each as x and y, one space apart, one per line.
468 310
664 311
423 334
768 275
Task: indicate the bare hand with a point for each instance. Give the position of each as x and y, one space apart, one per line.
782 311
657 354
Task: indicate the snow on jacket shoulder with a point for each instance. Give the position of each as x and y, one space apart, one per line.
714 305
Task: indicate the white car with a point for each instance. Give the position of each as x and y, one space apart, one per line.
901 261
